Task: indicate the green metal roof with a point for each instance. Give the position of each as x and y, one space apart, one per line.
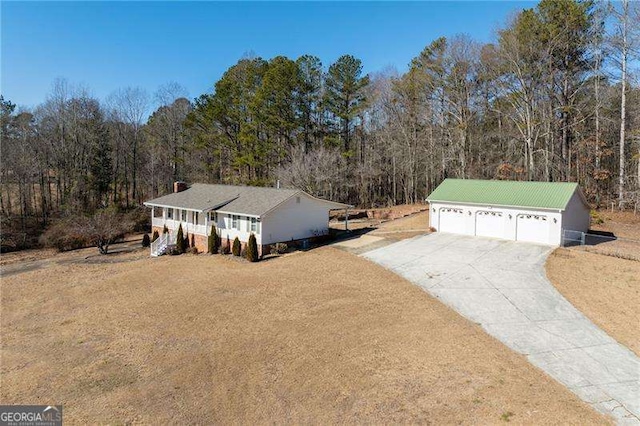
543 195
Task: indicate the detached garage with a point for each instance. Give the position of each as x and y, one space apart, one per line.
536 212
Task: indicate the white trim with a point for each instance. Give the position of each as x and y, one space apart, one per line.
235 213
495 205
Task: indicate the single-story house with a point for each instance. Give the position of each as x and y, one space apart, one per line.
273 215
536 212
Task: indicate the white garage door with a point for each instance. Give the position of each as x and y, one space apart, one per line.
452 220
533 228
489 224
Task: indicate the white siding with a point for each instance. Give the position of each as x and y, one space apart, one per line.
294 220
225 228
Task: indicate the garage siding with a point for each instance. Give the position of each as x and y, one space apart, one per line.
576 216
506 227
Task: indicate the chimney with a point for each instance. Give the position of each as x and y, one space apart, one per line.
179 186
278 184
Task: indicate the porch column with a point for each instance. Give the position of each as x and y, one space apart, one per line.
164 214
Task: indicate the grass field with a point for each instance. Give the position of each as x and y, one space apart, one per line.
605 288
320 336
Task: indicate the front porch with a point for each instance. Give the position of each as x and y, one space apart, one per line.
193 223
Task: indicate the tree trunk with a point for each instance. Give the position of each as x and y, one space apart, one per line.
623 102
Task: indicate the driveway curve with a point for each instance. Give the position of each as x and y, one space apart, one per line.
502 286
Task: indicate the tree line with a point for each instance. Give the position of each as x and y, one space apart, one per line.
555 98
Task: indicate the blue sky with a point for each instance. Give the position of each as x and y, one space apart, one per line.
106 45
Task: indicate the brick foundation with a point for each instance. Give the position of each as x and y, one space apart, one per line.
201 242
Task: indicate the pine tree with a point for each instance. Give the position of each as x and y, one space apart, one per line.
210 241
155 235
227 246
186 242
236 247
146 241
180 240
216 241
252 249
344 95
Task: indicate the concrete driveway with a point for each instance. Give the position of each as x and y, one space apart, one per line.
502 286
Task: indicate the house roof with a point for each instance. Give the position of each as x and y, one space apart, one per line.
250 200
543 195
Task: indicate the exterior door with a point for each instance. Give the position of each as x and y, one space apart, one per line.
452 220
533 228
489 224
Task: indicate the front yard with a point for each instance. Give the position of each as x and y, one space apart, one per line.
322 336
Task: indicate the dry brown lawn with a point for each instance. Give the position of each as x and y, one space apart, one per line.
315 337
606 289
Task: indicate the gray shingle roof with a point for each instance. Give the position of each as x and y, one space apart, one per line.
251 200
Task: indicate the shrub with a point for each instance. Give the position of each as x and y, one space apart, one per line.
214 241
252 249
186 242
155 235
63 237
236 247
226 248
279 248
180 240
596 218
146 241
193 240
193 250
102 229
139 218
165 230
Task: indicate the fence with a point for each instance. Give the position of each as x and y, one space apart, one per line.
578 238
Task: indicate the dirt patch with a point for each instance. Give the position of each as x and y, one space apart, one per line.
316 337
622 224
413 223
29 260
606 289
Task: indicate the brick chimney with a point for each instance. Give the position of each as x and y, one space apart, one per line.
179 186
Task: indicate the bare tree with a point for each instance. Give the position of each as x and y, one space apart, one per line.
131 105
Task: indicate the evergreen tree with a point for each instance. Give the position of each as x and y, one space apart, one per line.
344 94
101 168
252 249
146 241
237 247
227 246
210 244
155 235
180 247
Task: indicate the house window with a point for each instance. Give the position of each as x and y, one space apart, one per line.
169 213
157 212
255 225
234 222
183 215
195 218
213 216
